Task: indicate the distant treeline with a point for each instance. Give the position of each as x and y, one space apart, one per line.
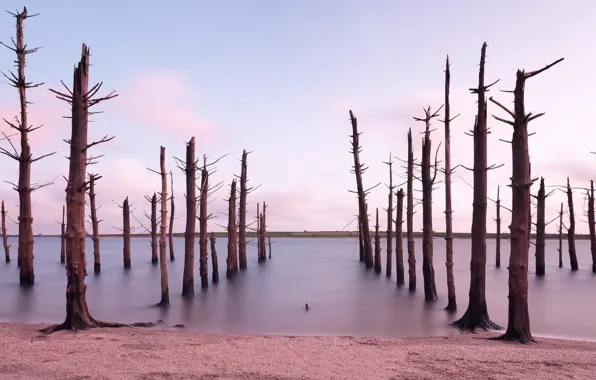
334 234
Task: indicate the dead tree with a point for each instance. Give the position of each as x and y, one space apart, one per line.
451 300
163 218
24 157
358 169
498 235
63 236
560 248
263 233
153 231
541 228
399 248
428 182
269 244
476 315
215 273
81 99
4 235
592 225
360 240
518 323
571 229
189 167
377 246
259 257
244 190
171 226
389 218
94 223
126 233
410 216
232 260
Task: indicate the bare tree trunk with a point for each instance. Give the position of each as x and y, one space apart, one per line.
269 244
410 216
126 233
154 250
242 211
358 171
259 257
451 300
571 229
530 213
540 229
360 240
399 248
263 244
203 269
476 315
163 230
377 246
518 321
232 262
5 237
190 171
560 249
171 226
389 220
498 221
94 223
592 225
215 269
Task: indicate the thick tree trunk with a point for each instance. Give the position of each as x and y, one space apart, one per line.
377 246
399 244
560 249
153 242
592 225
410 216
540 229
451 300
571 229
476 315
242 211
190 171
4 235
203 266
171 226
389 221
126 233
163 230
215 269
498 235
366 235
94 224
360 240
232 262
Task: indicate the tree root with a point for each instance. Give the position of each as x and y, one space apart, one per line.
483 323
92 323
512 335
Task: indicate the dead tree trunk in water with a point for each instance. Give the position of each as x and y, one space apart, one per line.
560 249
269 244
171 226
428 181
571 229
360 239
5 237
592 225
530 212
215 269
498 235
476 315
540 229
24 158
63 236
204 193
94 223
377 246
263 235
153 231
189 167
399 245
518 321
242 210
359 170
451 300
232 262
389 219
259 257
410 216
126 233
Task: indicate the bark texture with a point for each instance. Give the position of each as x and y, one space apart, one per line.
242 211
377 246
203 265
360 240
190 172
498 235
389 253
163 230
94 223
410 216
171 226
126 233
399 244
215 269
154 239
571 229
5 236
232 261
540 229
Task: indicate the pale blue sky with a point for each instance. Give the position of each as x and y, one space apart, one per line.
278 78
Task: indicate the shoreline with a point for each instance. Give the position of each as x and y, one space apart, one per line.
157 353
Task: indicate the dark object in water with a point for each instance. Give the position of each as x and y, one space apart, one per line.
306 306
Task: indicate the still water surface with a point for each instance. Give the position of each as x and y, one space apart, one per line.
345 299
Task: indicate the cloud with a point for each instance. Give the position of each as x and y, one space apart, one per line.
164 100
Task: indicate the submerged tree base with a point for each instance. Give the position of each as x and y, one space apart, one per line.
80 323
97 268
473 321
165 300
26 280
126 264
512 335
451 305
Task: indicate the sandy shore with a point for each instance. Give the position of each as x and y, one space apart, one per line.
138 353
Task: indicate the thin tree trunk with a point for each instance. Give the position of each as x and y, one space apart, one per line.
263 244
94 224
259 257
171 226
540 229
126 233
389 220
360 239
410 216
377 246
203 265
63 237
560 249
190 171
154 244
242 211
269 244
571 229
163 230
399 244
5 237
215 269
592 225
232 247
498 221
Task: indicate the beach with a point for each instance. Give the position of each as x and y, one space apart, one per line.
150 353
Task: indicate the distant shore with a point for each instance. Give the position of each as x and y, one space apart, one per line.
336 235
137 353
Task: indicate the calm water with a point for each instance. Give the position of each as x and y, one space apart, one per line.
345 299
